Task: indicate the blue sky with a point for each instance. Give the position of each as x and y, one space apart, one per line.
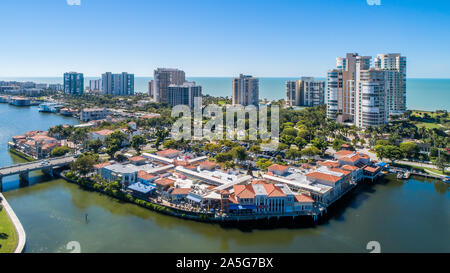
218 37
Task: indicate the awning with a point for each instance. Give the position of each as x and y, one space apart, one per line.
241 207
194 198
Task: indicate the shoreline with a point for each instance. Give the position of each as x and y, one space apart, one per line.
21 235
232 221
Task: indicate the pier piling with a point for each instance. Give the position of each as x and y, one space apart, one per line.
24 179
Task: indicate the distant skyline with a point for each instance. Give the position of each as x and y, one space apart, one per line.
218 38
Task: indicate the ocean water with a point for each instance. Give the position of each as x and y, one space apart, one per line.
422 94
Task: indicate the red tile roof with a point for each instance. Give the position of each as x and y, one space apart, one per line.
167 152
244 191
105 132
278 167
339 170
101 165
259 181
343 153
49 145
353 157
303 198
208 163
349 167
371 169
180 191
165 181
324 176
145 175
332 164
273 191
137 158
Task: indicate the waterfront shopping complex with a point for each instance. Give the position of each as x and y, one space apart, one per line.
200 185
193 183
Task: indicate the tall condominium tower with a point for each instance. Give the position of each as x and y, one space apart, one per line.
150 88
305 92
334 87
162 78
363 95
245 90
73 83
95 85
341 86
291 93
395 67
183 94
371 100
118 84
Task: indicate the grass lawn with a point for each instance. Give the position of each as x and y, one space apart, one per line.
8 235
429 125
437 171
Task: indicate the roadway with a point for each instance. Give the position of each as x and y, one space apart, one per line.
36 165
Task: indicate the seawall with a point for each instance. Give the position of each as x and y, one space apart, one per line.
22 237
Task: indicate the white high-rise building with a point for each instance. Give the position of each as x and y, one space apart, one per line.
395 67
305 92
162 78
371 100
363 95
184 94
245 90
95 85
341 82
118 84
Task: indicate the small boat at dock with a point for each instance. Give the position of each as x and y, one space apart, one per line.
406 175
49 107
399 175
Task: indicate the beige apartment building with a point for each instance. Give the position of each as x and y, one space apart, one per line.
371 100
245 90
305 92
395 67
162 78
353 89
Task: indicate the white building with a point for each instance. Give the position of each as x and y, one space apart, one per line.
162 78
305 92
127 174
245 90
371 100
88 114
363 95
118 84
95 85
394 66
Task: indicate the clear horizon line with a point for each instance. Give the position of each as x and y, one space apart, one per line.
140 76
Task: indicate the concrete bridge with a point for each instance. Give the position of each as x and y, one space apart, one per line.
23 169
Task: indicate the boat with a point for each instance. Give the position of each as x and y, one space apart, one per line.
407 175
49 107
399 175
